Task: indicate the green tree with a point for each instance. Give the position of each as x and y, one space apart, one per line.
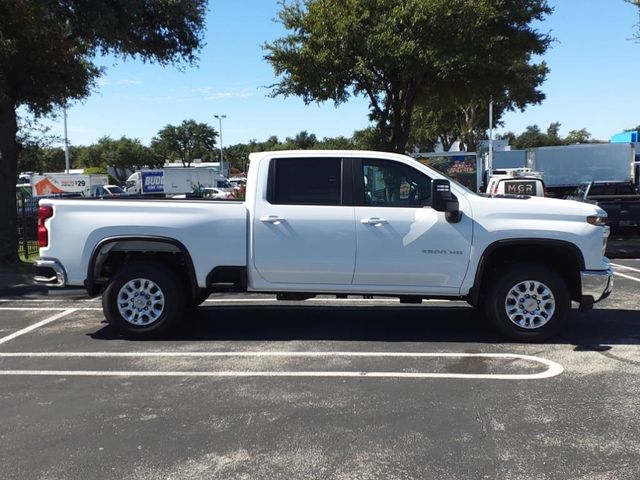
185 142
399 54
48 53
272 143
335 143
637 4
534 137
35 158
302 141
34 140
124 155
553 134
238 155
369 138
530 138
459 114
578 136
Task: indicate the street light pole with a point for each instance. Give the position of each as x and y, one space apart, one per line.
220 117
490 136
66 141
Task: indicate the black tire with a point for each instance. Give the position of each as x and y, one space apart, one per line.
509 289
150 325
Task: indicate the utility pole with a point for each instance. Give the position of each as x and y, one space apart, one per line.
66 141
490 165
220 117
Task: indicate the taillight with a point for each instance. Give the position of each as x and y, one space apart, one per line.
43 233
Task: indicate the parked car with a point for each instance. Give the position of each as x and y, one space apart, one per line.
215 193
106 190
368 223
621 201
238 182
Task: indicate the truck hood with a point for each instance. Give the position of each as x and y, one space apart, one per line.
537 207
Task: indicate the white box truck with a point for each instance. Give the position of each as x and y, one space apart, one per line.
176 180
66 183
565 167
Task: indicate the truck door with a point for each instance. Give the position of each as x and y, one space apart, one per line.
400 239
304 231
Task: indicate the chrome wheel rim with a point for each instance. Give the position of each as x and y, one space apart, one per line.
140 302
530 304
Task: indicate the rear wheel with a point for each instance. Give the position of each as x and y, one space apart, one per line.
143 300
528 302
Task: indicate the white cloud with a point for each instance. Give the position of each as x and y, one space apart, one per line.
213 94
128 81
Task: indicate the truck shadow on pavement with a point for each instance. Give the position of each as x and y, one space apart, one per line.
591 331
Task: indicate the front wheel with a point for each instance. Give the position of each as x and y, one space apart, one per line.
143 300
528 302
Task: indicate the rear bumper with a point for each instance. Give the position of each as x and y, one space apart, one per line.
596 285
49 272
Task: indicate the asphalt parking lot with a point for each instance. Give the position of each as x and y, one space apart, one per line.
252 388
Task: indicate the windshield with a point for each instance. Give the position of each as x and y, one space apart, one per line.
466 189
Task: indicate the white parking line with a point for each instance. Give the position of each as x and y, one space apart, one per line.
37 325
626 276
45 309
100 373
552 370
625 267
40 300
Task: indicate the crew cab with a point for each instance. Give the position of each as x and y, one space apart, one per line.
331 223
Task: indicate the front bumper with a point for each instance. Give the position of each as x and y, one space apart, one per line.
596 285
50 272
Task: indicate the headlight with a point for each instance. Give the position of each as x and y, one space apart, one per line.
597 220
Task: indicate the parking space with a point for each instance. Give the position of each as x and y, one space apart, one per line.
257 389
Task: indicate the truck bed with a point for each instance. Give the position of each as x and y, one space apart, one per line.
214 232
623 210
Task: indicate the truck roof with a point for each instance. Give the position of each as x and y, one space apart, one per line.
328 153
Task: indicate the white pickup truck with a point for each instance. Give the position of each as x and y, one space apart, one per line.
331 222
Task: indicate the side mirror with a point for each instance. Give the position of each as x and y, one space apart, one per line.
442 200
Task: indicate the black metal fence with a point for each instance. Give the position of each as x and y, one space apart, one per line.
27 210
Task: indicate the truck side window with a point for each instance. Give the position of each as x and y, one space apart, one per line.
392 184
307 181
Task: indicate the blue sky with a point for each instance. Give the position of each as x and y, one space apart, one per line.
594 82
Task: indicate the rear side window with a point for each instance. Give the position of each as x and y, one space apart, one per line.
306 181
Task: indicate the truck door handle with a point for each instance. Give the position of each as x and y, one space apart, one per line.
272 219
373 221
